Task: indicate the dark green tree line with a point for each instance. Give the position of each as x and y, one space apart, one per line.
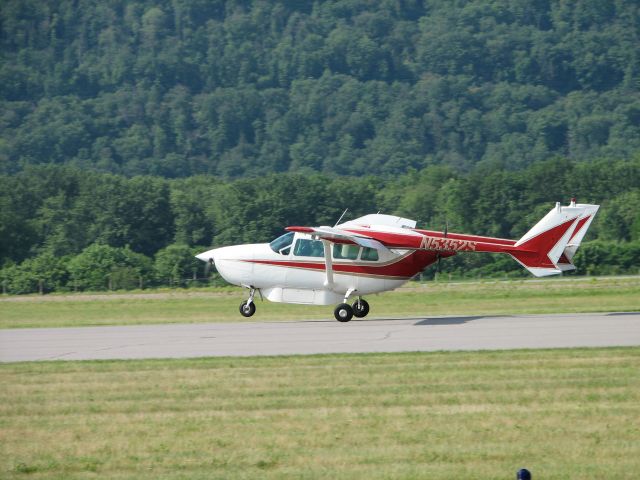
65 228
245 88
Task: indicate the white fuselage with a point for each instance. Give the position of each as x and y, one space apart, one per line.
298 273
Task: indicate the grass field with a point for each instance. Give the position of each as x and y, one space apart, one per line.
561 413
191 306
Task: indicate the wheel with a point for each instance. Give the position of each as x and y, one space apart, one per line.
343 312
246 310
360 308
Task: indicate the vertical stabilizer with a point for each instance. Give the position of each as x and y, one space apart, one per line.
565 262
547 249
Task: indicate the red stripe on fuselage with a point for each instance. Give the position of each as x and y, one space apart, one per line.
405 267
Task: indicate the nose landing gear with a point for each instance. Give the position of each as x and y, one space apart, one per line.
248 308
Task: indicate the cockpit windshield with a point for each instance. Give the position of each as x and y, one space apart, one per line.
282 244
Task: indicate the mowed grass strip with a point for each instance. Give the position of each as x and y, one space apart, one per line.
417 300
561 413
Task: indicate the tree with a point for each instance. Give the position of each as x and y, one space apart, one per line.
44 273
176 263
248 88
101 267
621 217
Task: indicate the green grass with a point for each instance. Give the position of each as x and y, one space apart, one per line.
432 298
561 413
475 298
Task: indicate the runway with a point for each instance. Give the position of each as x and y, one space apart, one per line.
321 336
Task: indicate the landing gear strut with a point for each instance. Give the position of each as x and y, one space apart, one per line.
248 308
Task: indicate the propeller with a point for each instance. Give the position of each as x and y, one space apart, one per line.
207 267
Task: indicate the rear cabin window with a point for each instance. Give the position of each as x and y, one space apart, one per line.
369 254
345 252
308 248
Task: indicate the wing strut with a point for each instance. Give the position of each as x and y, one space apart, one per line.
328 281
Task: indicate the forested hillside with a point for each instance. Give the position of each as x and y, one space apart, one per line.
244 88
135 133
64 228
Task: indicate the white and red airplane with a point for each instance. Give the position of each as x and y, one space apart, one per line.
375 253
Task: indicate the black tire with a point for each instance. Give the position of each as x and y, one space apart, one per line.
343 312
360 308
247 310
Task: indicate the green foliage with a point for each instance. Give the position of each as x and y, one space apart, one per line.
44 273
101 267
621 220
474 115
192 202
55 213
257 210
16 231
607 258
176 262
246 88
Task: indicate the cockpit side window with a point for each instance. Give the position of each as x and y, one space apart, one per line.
369 254
345 252
308 248
282 244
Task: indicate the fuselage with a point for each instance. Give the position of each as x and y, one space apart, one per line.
377 252
293 268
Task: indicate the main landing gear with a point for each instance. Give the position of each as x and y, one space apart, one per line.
248 308
345 312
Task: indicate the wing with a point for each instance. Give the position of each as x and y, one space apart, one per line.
337 235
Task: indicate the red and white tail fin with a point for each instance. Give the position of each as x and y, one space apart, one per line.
584 222
549 247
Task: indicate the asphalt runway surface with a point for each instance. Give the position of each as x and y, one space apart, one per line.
321 336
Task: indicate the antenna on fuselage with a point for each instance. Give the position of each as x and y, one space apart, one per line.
343 213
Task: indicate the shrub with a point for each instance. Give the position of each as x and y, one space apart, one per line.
101 267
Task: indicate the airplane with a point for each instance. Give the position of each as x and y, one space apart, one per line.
328 265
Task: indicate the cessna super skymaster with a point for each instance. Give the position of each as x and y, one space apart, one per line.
371 254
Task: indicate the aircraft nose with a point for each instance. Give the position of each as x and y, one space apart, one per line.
231 262
207 256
